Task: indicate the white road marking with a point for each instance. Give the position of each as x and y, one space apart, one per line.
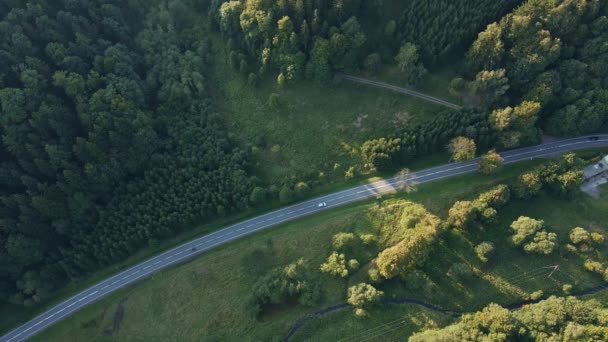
509 158
146 267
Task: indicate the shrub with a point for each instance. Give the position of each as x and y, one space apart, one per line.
536 295
368 239
594 266
342 241
363 295
597 238
374 275
484 250
525 227
335 265
543 243
286 195
258 195
578 235
460 271
274 100
353 264
280 284
528 185
567 288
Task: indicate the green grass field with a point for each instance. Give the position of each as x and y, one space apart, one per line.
304 134
207 298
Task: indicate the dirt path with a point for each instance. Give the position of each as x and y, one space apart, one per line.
400 90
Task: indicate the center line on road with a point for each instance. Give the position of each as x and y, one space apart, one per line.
350 195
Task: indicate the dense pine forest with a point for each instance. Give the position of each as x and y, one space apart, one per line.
111 137
109 140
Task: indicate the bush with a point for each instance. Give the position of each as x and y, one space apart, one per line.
372 63
359 312
567 289
524 227
301 189
578 235
363 295
353 264
528 185
460 271
343 241
543 243
286 195
374 276
368 239
252 80
335 265
597 238
274 101
416 280
258 195
536 295
594 266
282 283
483 250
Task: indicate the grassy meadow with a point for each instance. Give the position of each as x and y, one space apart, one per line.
304 134
208 298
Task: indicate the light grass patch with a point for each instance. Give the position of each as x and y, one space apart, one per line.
303 135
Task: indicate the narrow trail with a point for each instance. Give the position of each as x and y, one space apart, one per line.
319 314
401 90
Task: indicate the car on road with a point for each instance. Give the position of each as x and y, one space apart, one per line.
322 205
594 138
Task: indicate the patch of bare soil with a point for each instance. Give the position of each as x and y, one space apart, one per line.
118 316
401 118
358 123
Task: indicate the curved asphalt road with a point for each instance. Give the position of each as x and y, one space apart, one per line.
202 244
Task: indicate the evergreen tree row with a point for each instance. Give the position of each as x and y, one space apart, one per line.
108 139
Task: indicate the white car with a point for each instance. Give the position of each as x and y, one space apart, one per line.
322 205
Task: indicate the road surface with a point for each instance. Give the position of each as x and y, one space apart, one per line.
401 90
225 235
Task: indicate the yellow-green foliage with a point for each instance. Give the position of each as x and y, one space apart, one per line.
395 222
